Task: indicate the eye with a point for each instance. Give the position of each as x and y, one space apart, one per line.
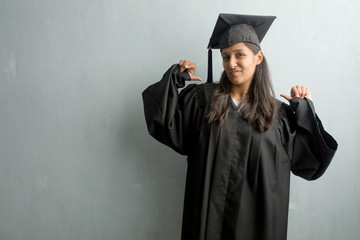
226 58
238 55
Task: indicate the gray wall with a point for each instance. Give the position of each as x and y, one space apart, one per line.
76 161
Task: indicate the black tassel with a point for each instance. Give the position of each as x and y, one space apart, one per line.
210 76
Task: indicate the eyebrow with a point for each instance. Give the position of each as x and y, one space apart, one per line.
236 50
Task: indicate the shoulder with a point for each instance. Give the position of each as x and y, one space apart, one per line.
199 92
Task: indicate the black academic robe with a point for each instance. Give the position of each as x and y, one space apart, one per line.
237 184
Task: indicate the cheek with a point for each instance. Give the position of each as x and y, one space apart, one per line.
251 64
225 65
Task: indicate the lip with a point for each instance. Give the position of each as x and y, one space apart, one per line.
235 72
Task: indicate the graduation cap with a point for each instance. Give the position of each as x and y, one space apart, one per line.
231 29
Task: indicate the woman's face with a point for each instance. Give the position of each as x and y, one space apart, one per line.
239 64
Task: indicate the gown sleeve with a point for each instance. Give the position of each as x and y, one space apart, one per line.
308 145
172 118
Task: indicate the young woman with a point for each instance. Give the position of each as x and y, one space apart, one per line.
241 142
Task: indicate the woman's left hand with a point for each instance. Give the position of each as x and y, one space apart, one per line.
298 92
190 67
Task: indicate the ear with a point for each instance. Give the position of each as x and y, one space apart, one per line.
259 57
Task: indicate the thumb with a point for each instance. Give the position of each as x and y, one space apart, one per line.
195 78
287 97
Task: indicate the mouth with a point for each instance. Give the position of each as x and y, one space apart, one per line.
235 72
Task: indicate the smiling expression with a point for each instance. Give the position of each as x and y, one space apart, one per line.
240 63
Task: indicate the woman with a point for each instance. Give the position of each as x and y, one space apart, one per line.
241 142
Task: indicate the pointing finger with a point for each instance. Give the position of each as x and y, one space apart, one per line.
287 97
195 78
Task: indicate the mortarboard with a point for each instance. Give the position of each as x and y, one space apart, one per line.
231 29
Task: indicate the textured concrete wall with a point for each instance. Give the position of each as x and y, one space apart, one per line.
76 161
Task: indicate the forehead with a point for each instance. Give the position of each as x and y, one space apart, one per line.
234 48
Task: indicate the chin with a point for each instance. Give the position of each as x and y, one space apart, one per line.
239 82
236 81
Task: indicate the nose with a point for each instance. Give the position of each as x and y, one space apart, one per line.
232 62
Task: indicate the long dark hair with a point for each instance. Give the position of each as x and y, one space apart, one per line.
260 107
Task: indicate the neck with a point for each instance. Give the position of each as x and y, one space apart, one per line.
239 92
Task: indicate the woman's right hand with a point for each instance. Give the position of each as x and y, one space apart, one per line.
298 92
190 67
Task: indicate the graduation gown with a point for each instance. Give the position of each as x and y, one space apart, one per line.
237 183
